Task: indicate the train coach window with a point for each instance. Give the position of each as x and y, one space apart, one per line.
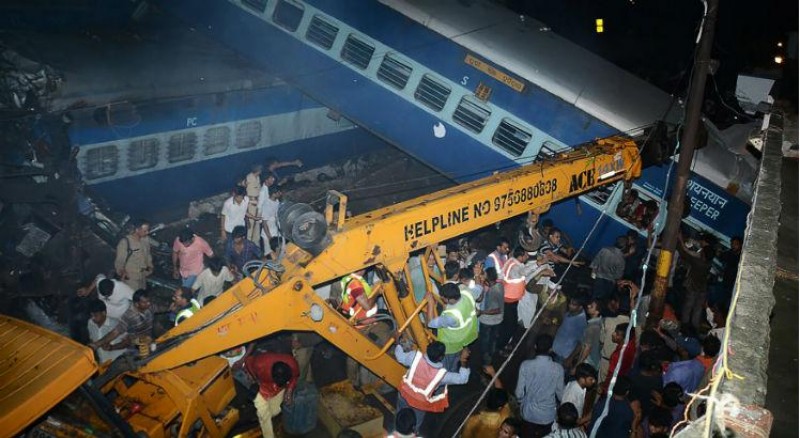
394 72
357 51
143 154
248 134
511 137
321 32
182 147
256 5
638 208
471 115
216 140
432 93
101 161
549 151
288 14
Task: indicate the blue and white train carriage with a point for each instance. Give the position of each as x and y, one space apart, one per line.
176 116
147 156
467 87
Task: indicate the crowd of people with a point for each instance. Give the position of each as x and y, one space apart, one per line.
584 340
487 301
121 314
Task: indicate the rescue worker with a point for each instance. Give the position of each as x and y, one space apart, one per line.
499 256
357 298
513 279
424 386
183 304
358 302
457 324
133 262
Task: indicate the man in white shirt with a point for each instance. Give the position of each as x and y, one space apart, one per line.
116 295
211 280
266 185
99 325
268 210
234 212
575 391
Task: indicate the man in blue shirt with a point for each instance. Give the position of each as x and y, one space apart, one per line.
618 422
539 389
570 333
239 251
688 373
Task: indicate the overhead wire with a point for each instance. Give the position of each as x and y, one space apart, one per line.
634 311
553 294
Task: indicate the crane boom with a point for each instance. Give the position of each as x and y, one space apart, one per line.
280 300
392 233
387 236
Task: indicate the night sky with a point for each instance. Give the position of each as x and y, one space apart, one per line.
654 39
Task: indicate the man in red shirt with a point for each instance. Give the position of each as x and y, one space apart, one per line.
627 358
277 376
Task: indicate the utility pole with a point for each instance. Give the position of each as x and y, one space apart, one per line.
688 144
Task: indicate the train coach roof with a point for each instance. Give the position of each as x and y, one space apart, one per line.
529 49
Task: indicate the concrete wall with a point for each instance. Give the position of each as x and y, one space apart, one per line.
749 331
750 326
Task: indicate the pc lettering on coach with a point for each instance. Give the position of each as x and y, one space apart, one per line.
704 201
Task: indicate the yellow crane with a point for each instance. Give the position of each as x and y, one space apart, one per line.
184 385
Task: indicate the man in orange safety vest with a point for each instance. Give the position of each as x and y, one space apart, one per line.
424 386
358 299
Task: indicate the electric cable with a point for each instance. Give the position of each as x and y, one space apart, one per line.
634 309
553 294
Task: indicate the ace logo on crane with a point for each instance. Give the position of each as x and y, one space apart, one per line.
582 180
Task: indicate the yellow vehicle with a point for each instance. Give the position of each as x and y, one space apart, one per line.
184 387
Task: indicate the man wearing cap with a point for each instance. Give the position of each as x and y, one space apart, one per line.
252 187
133 262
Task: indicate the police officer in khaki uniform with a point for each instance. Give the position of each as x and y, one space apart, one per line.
252 186
133 262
